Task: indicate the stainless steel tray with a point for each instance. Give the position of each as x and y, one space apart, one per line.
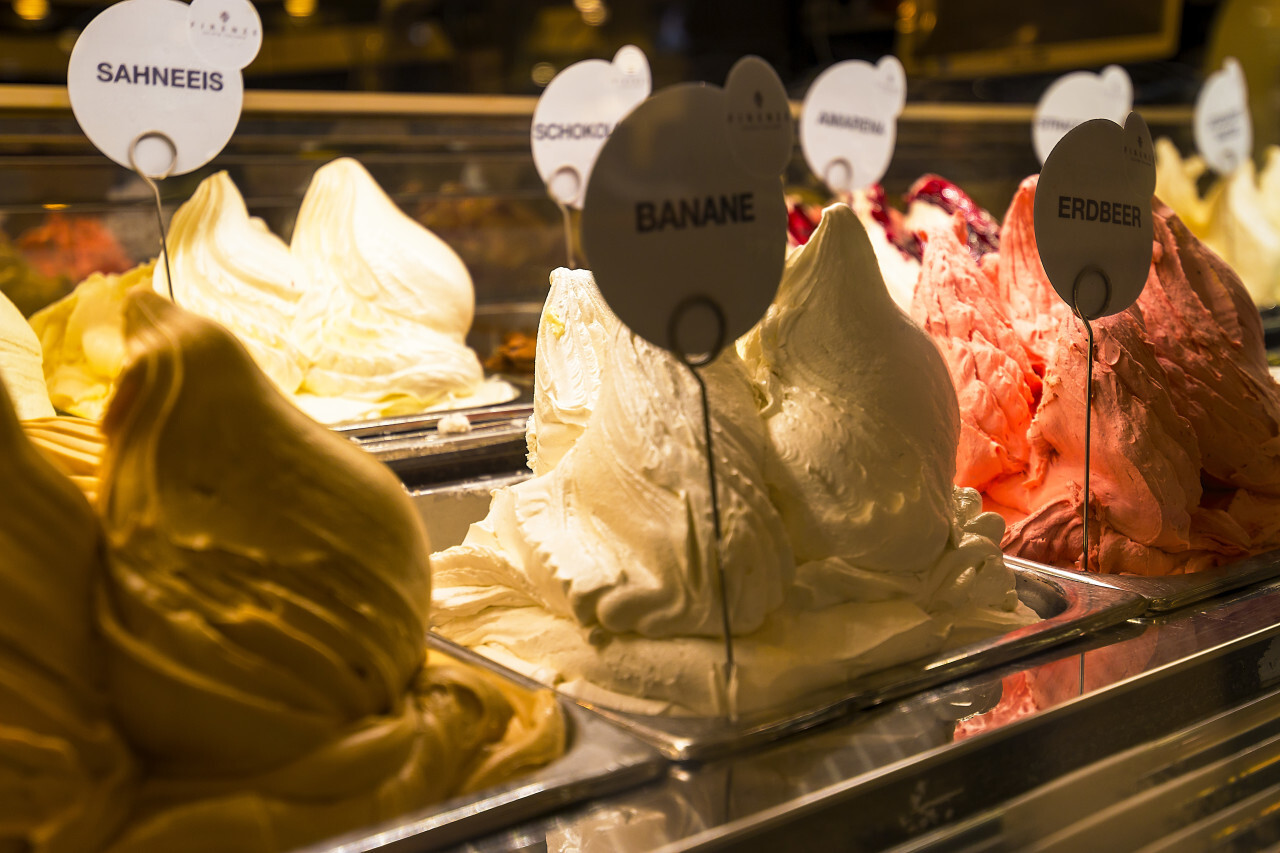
413 446
1169 593
600 760
1072 606
420 454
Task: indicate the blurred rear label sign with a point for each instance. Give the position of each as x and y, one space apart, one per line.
1092 215
685 222
577 112
144 92
1223 130
849 122
1077 97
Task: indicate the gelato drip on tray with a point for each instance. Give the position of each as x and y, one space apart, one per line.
842 557
1186 417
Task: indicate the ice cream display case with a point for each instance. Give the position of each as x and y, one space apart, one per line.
1097 722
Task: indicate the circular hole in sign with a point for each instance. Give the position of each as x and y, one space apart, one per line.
565 185
1091 293
153 154
697 329
839 176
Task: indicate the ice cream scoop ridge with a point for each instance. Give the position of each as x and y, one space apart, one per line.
66 777
386 304
596 575
573 336
229 267
264 609
22 364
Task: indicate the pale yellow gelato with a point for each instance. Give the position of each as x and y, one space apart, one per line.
22 364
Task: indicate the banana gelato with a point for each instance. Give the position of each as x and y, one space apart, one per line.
846 547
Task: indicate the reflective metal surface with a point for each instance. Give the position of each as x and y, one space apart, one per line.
1174 591
1070 605
599 761
953 757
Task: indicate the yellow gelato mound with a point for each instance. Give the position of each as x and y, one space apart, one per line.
264 610
66 778
74 445
83 340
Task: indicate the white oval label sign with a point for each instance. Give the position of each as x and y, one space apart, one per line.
685 220
1223 129
1093 215
1077 97
136 85
576 114
850 121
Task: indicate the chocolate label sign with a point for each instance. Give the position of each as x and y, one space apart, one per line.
1093 215
1223 129
1077 97
849 122
684 224
576 114
139 87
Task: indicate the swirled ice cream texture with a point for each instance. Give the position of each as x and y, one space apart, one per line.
574 334
263 609
229 267
385 309
597 576
66 777
1186 417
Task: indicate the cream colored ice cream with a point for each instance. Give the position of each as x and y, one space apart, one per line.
66 777
22 364
1235 218
82 337
845 545
385 309
264 607
228 266
573 338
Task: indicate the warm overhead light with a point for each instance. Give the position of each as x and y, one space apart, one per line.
300 8
31 10
543 73
594 12
54 206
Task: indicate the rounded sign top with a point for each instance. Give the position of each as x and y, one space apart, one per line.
576 114
225 32
1077 97
1093 215
1223 128
850 122
685 220
144 96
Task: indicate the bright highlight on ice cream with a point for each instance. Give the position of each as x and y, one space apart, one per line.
263 609
846 546
229 267
385 309
1239 217
364 316
1186 447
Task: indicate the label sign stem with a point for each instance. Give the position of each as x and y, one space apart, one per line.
1088 399
155 192
567 219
